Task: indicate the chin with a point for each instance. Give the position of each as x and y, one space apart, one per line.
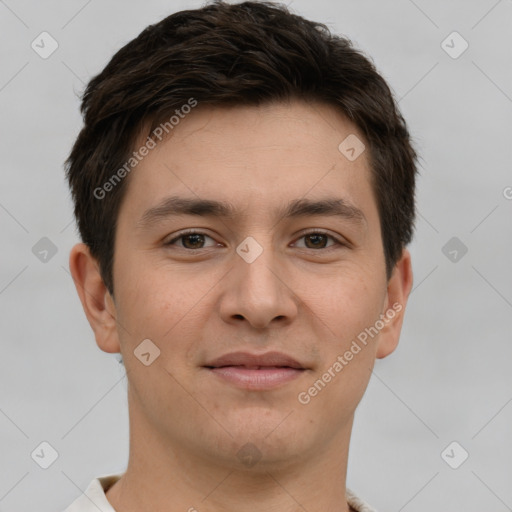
270 436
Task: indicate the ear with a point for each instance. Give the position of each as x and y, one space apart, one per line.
96 300
398 290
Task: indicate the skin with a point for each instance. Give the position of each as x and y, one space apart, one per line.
198 299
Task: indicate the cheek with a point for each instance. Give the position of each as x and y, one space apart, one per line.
348 304
349 309
148 308
169 308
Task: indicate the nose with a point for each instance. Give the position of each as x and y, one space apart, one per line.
259 291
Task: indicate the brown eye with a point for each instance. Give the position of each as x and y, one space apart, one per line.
194 241
318 240
191 240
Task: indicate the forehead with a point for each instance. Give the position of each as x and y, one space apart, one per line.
255 155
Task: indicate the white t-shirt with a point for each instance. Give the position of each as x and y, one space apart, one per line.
94 499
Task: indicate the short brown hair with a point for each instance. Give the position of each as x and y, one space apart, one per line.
243 54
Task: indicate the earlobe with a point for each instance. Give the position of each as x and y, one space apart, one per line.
398 290
96 301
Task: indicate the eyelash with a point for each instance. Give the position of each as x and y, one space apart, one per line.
337 241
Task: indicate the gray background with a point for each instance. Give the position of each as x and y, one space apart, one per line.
450 378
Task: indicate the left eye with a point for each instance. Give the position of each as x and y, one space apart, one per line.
318 239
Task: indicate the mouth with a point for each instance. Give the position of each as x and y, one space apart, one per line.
256 372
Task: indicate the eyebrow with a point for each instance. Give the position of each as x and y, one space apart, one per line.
176 206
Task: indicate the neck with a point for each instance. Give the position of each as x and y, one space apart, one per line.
166 477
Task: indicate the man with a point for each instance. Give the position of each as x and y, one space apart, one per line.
244 191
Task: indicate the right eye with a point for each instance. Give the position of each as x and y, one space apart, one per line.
191 240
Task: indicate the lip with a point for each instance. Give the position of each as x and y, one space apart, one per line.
269 359
256 371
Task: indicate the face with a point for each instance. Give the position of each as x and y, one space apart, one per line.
248 251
